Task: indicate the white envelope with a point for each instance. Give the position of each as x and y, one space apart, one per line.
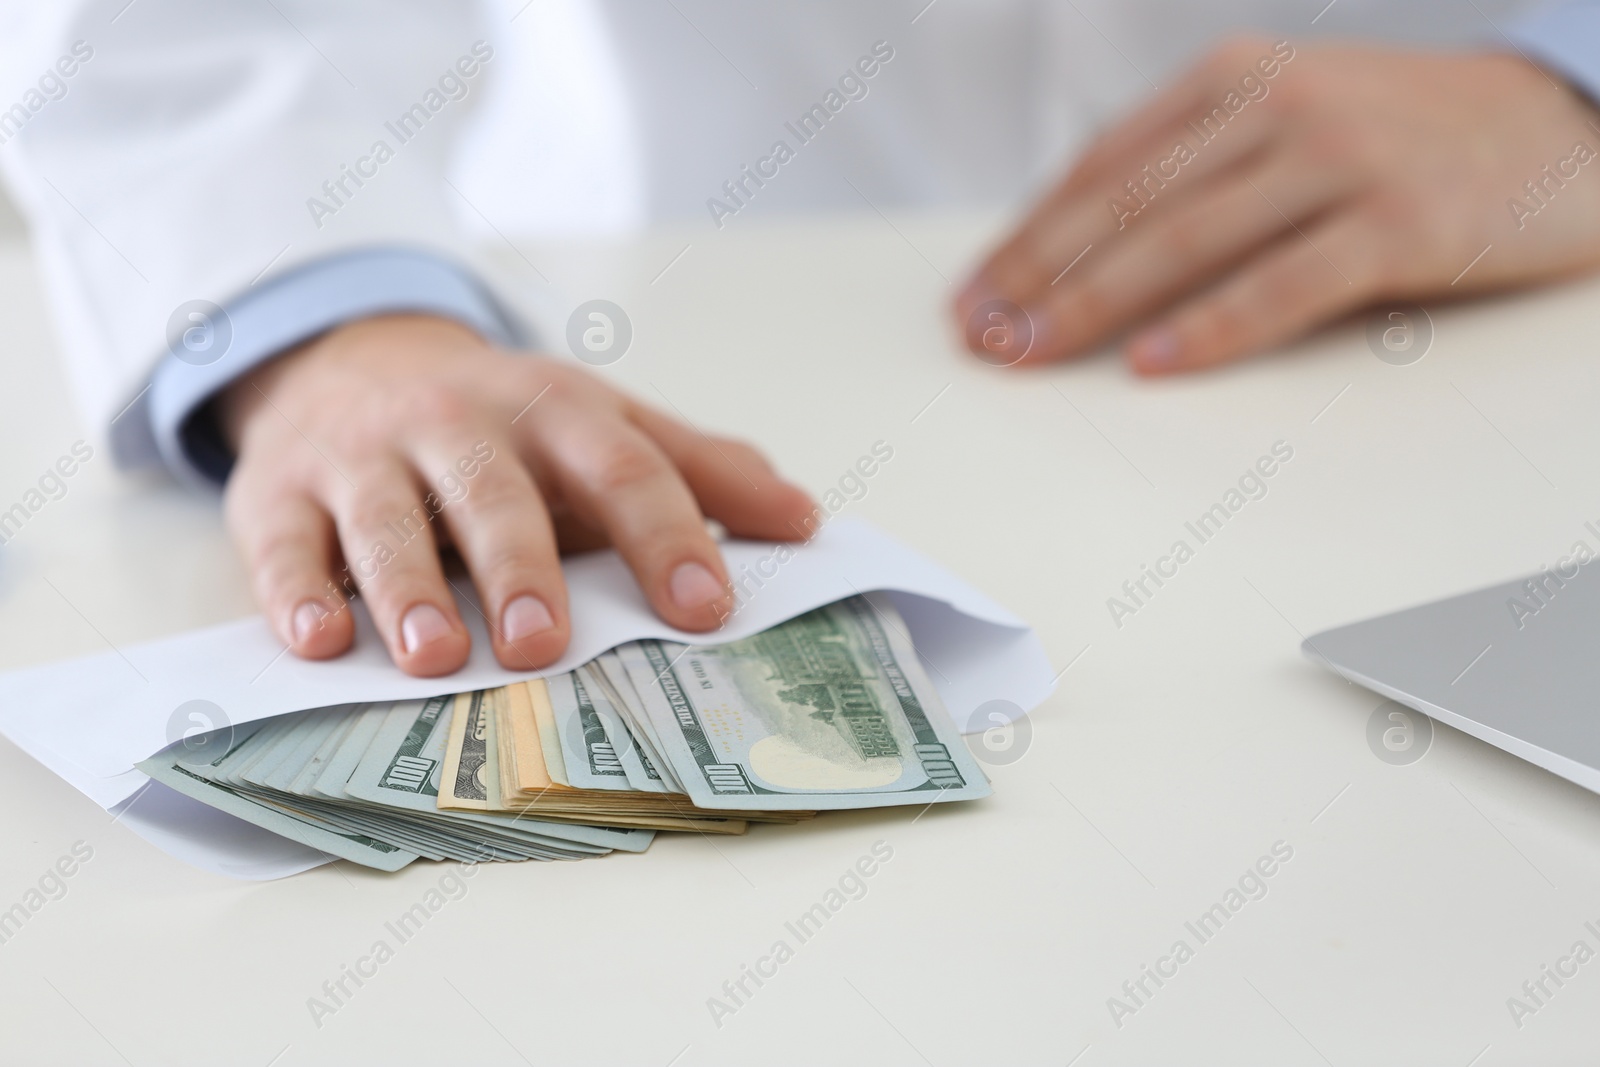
91 719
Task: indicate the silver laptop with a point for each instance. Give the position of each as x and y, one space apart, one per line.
1516 665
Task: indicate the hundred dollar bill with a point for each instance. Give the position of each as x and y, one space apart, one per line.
470 783
636 766
255 748
312 769
522 766
291 751
418 830
408 765
625 697
295 749
335 774
168 768
465 771
590 759
828 710
544 719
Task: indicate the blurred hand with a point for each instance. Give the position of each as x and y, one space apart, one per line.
1272 190
362 451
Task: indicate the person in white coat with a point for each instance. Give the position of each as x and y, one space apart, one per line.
244 213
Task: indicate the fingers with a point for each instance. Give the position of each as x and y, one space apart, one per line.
1177 251
500 526
1294 285
1131 176
1071 232
615 477
1165 110
288 544
389 546
733 482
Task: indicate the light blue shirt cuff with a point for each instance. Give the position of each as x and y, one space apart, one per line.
214 346
1566 38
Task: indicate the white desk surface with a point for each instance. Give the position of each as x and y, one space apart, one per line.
1177 750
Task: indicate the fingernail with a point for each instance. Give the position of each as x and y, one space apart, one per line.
1156 348
423 625
693 586
524 617
307 620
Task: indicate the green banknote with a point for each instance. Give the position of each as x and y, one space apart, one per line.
828 710
168 768
403 765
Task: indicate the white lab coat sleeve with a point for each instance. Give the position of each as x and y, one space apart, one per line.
174 158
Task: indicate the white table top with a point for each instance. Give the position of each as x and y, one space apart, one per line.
1177 751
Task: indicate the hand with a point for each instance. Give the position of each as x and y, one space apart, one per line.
1275 189
362 451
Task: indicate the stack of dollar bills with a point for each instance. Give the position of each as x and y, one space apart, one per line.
829 710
